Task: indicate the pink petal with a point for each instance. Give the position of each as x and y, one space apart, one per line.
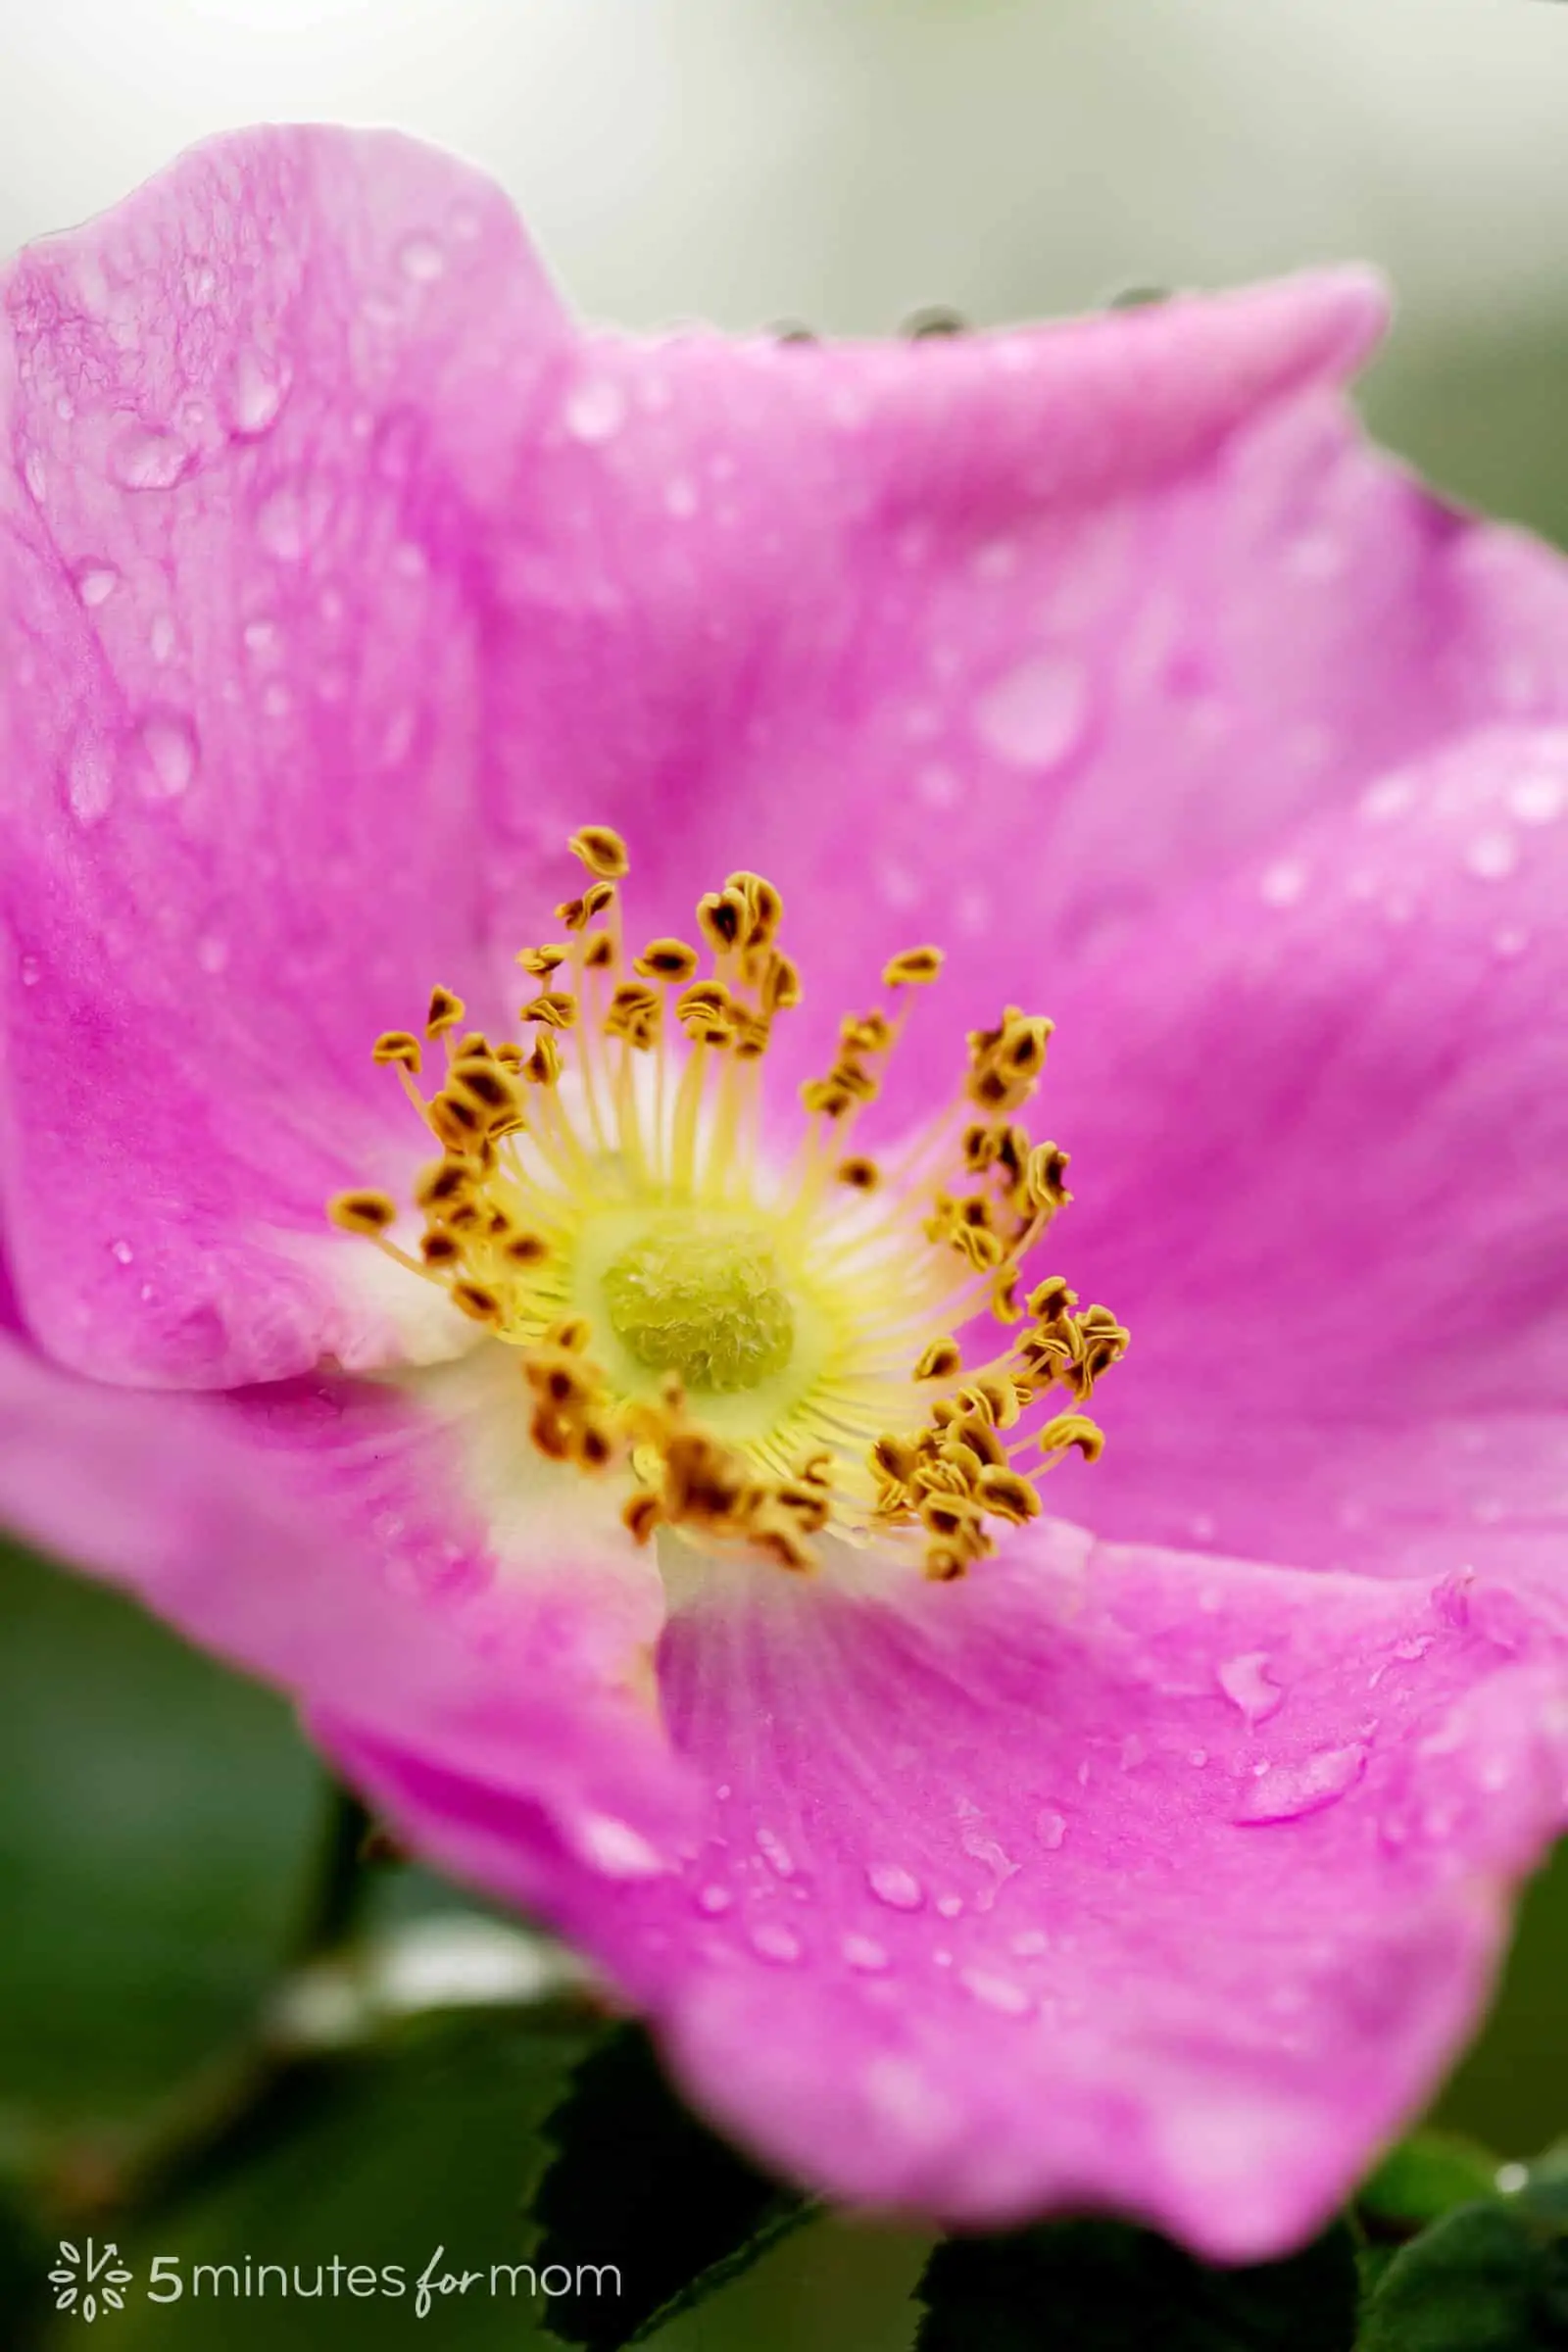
1319 1122
1111 1877
250 414
334 1537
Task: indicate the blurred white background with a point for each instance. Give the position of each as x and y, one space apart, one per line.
843 162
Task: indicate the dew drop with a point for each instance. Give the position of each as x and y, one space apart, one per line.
995 1993
96 583
894 1885
864 1953
144 459
169 742
121 1252
1389 797
423 259
1051 1829
258 393
280 526
1035 716
31 971
1248 1685
950 1905
1282 884
617 1848
1538 800
776 1943
1288 1791
594 410
1493 856
775 1853
712 1902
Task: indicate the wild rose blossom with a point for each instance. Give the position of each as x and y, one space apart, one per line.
649 1512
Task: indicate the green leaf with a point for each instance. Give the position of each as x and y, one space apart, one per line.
637 2180
1426 2176
155 1818
1489 2278
379 2162
1103 2286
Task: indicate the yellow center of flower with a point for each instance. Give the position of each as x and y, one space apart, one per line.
763 1351
705 1303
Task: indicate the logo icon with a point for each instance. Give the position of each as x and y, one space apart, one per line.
88 2281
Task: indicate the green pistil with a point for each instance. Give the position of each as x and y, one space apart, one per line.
704 1301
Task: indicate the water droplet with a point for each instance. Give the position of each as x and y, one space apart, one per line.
595 409
1511 2178
89 780
423 259
995 1993
894 1885
121 1252
936 786
280 526
950 1905
258 393
1032 1943
1288 1791
1036 716
1389 797
775 1853
1538 800
1051 1829
1282 884
144 459
1493 856
772 1940
680 499
865 1954
169 742
617 1848
711 1901
31 971
96 583
1248 1685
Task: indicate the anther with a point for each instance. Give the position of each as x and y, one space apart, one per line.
916 968
666 959
941 1360
398 1046
601 851
446 1012
363 1211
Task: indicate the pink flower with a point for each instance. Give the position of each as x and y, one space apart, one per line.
343 580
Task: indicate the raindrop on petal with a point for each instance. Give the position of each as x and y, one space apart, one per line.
894 1885
772 1940
1036 716
1247 1684
595 409
1288 1791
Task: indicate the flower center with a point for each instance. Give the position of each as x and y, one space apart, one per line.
702 1301
761 1353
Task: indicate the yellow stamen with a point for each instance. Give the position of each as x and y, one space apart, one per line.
764 1359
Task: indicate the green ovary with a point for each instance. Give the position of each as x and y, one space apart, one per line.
703 1301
